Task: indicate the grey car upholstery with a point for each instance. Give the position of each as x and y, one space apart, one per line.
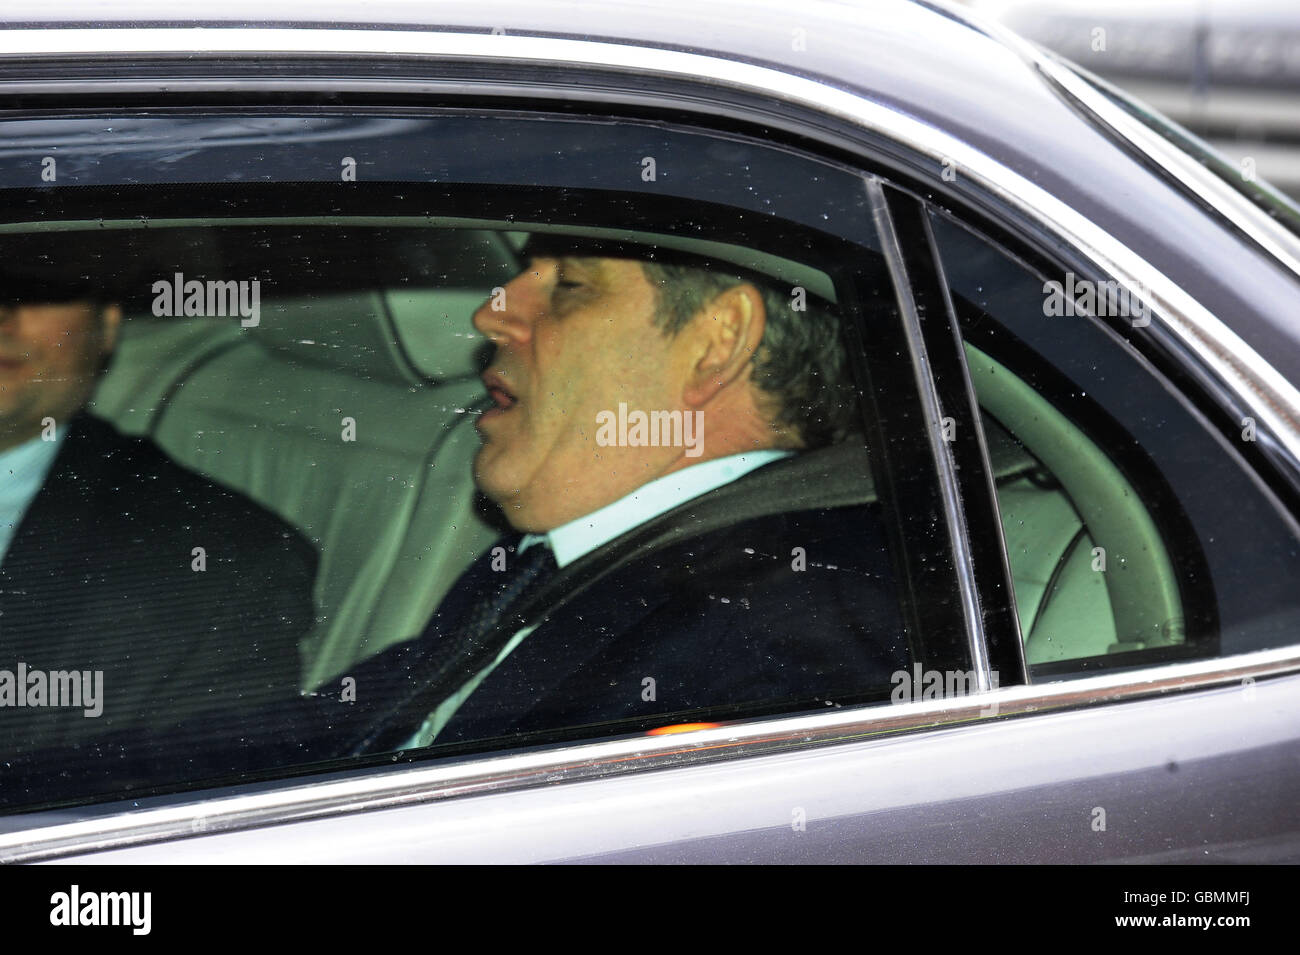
262 410
1063 606
1067 609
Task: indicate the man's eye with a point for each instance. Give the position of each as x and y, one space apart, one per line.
566 289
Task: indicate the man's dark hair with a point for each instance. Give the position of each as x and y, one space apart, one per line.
800 363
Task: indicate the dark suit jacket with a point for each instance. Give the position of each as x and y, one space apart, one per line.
747 598
775 592
100 576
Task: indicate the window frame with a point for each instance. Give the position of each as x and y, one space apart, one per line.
1204 399
974 516
1189 563
905 458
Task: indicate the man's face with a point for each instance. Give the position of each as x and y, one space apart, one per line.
49 358
575 338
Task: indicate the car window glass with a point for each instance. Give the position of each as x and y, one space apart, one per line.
1135 531
480 456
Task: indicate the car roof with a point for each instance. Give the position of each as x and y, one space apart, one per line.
919 58
914 55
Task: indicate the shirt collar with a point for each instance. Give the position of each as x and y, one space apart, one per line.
27 463
582 536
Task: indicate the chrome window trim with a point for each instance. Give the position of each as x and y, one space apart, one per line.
940 450
412 785
1274 401
1252 221
1266 233
1238 368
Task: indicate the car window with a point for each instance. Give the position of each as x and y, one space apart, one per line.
443 455
1136 528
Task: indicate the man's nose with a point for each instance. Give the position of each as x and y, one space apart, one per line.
508 314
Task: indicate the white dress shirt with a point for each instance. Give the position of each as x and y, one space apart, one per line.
580 537
22 472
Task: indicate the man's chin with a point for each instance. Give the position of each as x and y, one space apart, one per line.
512 507
508 496
489 478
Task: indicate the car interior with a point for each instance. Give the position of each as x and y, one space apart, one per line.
348 409
1069 496
261 409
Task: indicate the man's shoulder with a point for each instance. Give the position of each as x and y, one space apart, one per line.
773 565
746 561
148 485
822 501
764 589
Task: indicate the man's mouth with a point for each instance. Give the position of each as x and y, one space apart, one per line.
504 399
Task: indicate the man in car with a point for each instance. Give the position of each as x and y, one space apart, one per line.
138 600
676 447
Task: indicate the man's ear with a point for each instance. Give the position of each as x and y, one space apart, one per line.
725 336
110 324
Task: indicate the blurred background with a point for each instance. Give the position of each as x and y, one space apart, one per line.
1227 70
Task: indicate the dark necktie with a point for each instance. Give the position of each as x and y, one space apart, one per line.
471 626
498 592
